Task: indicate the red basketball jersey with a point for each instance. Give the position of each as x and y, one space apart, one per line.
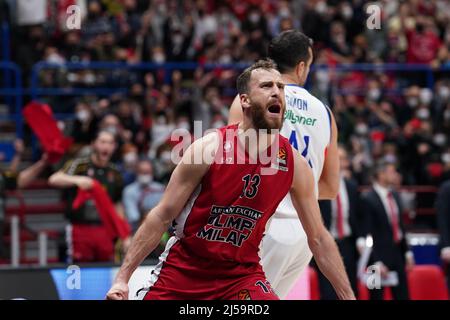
226 217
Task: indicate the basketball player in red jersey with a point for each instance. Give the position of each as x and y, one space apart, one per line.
220 209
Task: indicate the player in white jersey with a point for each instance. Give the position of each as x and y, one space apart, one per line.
311 129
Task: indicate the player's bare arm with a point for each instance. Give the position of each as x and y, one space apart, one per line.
320 241
329 179
185 178
235 114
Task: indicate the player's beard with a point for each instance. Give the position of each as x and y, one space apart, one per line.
260 121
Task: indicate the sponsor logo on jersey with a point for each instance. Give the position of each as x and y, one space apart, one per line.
297 119
297 103
281 158
244 294
231 225
281 163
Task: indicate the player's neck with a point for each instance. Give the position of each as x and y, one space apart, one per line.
263 139
289 78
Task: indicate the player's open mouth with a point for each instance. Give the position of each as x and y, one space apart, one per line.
274 109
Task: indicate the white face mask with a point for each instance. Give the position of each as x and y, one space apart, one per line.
82 115
225 59
166 157
177 39
254 17
145 179
89 78
55 58
444 92
374 94
321 7
61 125
184 125
130 158
347 12
423 113
322 76
112 129
361 129
284 13
413 102
161 120
218 124
439 139
159 58
390 158
426 95
445 157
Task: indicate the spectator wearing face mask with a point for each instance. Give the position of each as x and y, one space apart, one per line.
84 126
129 163
142 195
164 164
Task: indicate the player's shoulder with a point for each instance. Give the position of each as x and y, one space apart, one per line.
284 140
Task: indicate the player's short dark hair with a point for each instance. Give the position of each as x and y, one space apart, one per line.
244 78
289 48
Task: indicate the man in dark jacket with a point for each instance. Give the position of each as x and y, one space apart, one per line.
342 217
382 207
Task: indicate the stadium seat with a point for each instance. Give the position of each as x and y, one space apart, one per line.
427 282
363 292
314 284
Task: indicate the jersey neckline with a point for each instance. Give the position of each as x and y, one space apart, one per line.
294 85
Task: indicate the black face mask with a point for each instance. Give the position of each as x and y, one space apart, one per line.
419 28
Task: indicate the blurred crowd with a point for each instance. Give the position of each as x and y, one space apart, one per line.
396 116
401 117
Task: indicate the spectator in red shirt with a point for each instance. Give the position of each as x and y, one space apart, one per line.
423 43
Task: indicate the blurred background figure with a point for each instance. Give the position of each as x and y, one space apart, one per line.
343 217
87 235
382 209
142 195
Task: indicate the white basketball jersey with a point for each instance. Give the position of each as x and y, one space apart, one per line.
307 126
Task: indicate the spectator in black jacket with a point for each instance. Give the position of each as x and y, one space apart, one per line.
382 213
342 217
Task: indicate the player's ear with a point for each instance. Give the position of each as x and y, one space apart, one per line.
245 100
300 68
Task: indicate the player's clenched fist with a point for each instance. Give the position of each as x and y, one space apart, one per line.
119 291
